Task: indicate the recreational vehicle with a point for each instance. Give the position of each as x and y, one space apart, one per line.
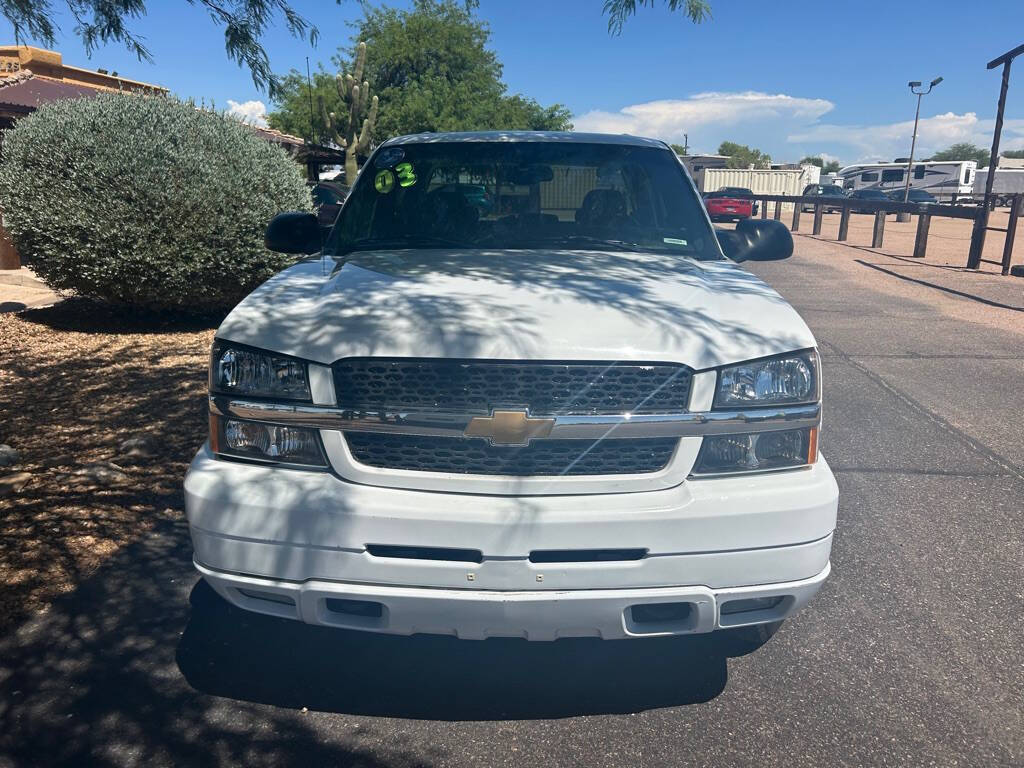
946 180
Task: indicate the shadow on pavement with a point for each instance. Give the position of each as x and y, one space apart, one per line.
229 652
141 665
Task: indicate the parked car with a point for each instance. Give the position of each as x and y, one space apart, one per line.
825 191
328 197
580 419
729 204
874 195
913 196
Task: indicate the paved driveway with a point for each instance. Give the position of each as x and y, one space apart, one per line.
911 655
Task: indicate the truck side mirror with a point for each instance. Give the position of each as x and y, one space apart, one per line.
293 232
756 240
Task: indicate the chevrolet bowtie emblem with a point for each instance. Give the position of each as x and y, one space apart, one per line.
509 427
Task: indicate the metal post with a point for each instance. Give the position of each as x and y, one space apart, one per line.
796 215
778 210
844 223
1011 231
924 222
818 210
981 223
764 208
879 231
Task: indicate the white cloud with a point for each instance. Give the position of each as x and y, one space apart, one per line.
253 112
885 141
697 115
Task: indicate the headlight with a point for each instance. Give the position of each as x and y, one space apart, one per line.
757 452
266 442
788 379
238 370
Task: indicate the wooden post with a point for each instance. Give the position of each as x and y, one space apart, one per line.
796 215
876 237
1011 231
977 237
9 258
844 223
818 210
764 209
924 222
778 210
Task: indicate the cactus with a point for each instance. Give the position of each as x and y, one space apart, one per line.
354 140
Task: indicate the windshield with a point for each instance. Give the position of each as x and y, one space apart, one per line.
528 194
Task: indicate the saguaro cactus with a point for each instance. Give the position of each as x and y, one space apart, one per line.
356 96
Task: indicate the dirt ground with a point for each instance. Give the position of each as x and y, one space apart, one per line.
949 240
77 381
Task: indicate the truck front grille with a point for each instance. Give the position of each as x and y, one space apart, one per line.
475 456
546 388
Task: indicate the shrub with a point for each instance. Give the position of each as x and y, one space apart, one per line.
145 201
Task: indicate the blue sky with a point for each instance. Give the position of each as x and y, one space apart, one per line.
797 78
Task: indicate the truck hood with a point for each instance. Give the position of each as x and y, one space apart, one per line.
518 304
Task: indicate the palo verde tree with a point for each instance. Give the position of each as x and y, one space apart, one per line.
101 21
618 11
354 93
432 69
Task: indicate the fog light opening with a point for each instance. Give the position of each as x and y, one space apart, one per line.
751 604
366 608
270 597
660 613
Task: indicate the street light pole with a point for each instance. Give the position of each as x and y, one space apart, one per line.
914 85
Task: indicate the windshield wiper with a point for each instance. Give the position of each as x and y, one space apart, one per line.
401 243
591 242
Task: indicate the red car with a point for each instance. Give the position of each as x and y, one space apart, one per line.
725 204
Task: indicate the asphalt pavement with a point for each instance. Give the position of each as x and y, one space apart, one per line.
911 655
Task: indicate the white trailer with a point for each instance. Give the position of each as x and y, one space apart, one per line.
1009 182
946 180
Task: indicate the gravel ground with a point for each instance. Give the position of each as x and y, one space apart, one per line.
76 382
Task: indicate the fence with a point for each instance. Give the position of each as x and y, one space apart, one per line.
925 213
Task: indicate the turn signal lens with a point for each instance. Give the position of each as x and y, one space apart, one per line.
267 442
760 451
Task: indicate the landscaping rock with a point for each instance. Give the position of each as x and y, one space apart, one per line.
8 456
136 448
13 483
104 473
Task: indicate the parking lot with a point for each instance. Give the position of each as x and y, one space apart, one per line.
911 655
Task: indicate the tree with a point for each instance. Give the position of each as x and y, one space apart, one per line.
140 201
100 21
964 151
432 71
1014 153
742 156
620 10
832 166
679 149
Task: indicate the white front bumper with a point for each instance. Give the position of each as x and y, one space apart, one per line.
304 535
536 615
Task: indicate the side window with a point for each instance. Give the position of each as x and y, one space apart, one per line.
967 175
892 174
919 172
869 176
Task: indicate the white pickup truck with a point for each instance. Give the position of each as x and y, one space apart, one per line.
519 391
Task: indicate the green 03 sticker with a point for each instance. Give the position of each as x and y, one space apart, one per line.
384 181
406 174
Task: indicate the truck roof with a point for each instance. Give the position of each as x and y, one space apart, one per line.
514 136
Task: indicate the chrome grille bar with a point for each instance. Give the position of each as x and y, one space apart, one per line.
442 424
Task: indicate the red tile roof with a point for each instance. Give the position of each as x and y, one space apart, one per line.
28 91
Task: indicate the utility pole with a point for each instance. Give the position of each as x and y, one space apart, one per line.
686 144
914 85
981 223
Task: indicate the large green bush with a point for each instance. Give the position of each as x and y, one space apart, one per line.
145 201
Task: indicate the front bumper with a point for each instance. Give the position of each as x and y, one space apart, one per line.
307 538
535 615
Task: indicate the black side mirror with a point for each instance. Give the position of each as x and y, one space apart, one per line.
293 232
756 240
